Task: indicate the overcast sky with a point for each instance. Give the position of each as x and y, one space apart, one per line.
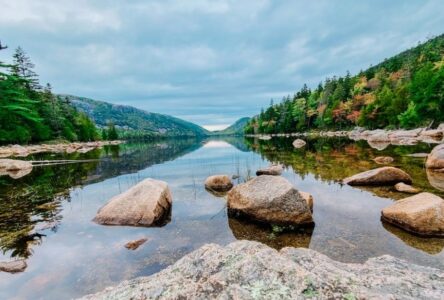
209 62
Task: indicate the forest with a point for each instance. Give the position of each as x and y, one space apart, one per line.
31 113
404 91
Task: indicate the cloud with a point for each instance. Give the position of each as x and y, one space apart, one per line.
210 62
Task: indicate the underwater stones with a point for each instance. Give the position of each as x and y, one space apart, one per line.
379 176
133 245
146 204
383 160
405 188
15 168
422 214
435 160
14 266
274 170
218 183
298 143
251 270
270 199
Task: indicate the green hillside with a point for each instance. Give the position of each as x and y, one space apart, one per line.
237 128
132 122
404 91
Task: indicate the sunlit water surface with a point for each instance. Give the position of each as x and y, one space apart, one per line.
46 216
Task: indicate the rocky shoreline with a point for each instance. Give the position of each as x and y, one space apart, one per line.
251 270
23 151
378 138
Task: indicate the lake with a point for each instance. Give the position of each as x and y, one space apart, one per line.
46 216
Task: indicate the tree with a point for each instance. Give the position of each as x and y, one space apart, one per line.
112 132
23 68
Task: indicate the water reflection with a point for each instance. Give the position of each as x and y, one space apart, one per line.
31 205
247 230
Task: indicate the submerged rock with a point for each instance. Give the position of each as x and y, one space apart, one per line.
270 199
274 170
218 183
146 204
405 188
14 266
435 160
379 176
251 270
298 143
421 214
133 245
383 160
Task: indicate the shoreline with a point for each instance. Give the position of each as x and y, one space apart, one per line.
79 147
377 138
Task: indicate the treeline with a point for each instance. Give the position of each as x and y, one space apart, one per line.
404 91
31 113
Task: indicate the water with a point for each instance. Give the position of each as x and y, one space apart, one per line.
45 217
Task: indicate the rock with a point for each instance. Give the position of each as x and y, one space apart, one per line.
146 204
309 198
435 133
379 136
18 150
218 183
435 160
133 245
383 160
405 188
15 266
265 137
270 199
251 270
400 134
418 155
5 152
421 214
378 145
274 170
298 143
436 178
15 168
379 176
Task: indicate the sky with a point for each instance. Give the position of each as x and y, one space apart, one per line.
208 62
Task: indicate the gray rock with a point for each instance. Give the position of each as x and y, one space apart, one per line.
250 270
435 160
298 143
274 170
218 183
405 188
270 199
145 204
379 176
14 266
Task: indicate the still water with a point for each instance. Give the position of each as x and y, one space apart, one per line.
46 216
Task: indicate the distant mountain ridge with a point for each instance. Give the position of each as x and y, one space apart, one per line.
237 128
135 122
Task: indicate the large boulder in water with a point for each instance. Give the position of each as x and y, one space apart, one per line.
379 176
435 160
270 199
146 204
218 183
421 214
251 270
14 266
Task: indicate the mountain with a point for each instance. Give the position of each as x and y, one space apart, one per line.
133 122
406 90
237 128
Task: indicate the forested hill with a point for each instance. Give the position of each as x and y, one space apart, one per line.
132 122
30 113
237 128
405 91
